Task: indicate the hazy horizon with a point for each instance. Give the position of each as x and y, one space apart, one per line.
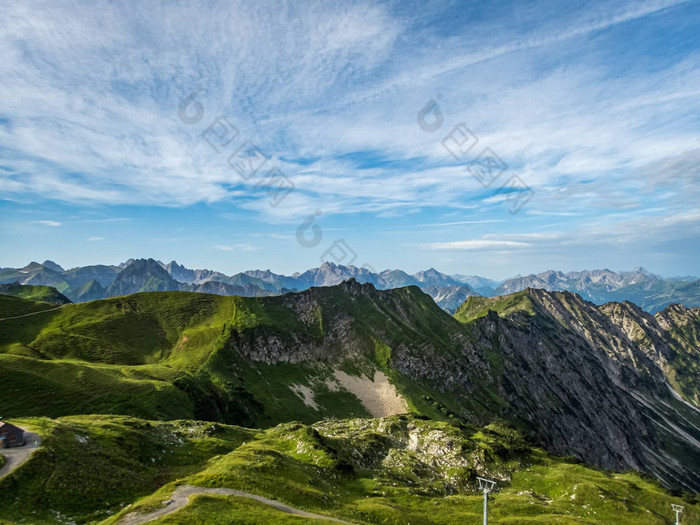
410 271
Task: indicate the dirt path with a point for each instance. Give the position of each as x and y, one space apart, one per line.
16 456
32 313
181 497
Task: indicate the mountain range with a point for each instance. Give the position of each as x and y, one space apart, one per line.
371 405
650 291
87 283
611 385
147 275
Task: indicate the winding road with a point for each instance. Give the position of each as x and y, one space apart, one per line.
16 456
181 497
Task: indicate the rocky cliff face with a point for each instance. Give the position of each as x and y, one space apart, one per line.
594 382
670 338
342 322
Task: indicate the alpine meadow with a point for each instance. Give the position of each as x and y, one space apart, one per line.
429 262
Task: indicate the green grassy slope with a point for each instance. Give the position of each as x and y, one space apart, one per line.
392 471
46 294
11 306
104 356
88 291
36 387
476 307
132 330
89 466
139 352
244 361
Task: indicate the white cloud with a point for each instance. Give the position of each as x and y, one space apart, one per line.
53 224
475 244
342 78
461 223
95 239
244 247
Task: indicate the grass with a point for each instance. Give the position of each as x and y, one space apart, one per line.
39 293
394 470
11 306
36 387
134 330
217 510
475 307
90 466
177 354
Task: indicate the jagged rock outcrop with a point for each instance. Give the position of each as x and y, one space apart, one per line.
593 380
578 379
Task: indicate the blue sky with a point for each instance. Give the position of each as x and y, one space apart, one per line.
592 111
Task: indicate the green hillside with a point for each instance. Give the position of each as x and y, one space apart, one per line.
475 307
53 388
46 294
573 378
88 466
392 470
139 351
11 306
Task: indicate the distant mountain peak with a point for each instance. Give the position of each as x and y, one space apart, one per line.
435 278
142 275
125 263
640 286
53 266
31 267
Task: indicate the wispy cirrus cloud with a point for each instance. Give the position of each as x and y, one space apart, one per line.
592 105
243 247
110 135
53 224
473 244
